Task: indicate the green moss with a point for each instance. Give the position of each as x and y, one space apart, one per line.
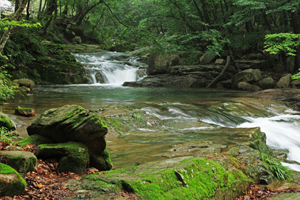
77 119
25 109
102 123
73 156
75 111
35 139
14 188
6 122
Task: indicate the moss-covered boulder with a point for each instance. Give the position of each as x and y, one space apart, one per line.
11 182
6 122
72 156
21 161
71 123
101 162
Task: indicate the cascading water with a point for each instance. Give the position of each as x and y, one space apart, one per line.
282 133
110 67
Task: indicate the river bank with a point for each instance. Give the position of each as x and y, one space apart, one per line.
150 127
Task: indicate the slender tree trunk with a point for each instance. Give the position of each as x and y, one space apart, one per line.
43 10
27 10
204 8
16 16
40 7
221 74
199 13
295 22
266 20
17 5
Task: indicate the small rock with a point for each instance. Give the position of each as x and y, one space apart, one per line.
284 81
295 82
267 83
27 112
206 59
220 61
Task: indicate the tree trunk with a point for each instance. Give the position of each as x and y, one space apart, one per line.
221 74
40 10
16 16
27 10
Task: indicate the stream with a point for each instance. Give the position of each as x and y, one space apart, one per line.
163 119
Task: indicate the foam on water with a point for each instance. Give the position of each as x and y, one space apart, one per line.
282 133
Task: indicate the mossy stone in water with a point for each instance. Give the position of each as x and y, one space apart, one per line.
73 156
11 182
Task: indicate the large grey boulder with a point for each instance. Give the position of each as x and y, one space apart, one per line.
267 83
284 81
161 64
248 76
11 182
21 161
71 123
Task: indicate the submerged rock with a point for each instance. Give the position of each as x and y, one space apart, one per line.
11 182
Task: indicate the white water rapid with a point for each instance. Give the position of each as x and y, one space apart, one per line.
282 133
110 68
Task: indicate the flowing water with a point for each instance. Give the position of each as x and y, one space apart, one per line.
164 119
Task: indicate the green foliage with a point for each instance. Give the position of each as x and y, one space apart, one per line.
282 42
7 136
4 23
296 76
6 91
279 171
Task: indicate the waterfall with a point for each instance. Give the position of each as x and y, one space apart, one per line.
110 68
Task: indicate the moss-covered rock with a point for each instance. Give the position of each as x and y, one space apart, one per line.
35 139
101 162
6 122
28 112
11 182
21 161
24 82
73 156
72 123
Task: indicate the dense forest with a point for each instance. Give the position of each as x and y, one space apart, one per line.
36 35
